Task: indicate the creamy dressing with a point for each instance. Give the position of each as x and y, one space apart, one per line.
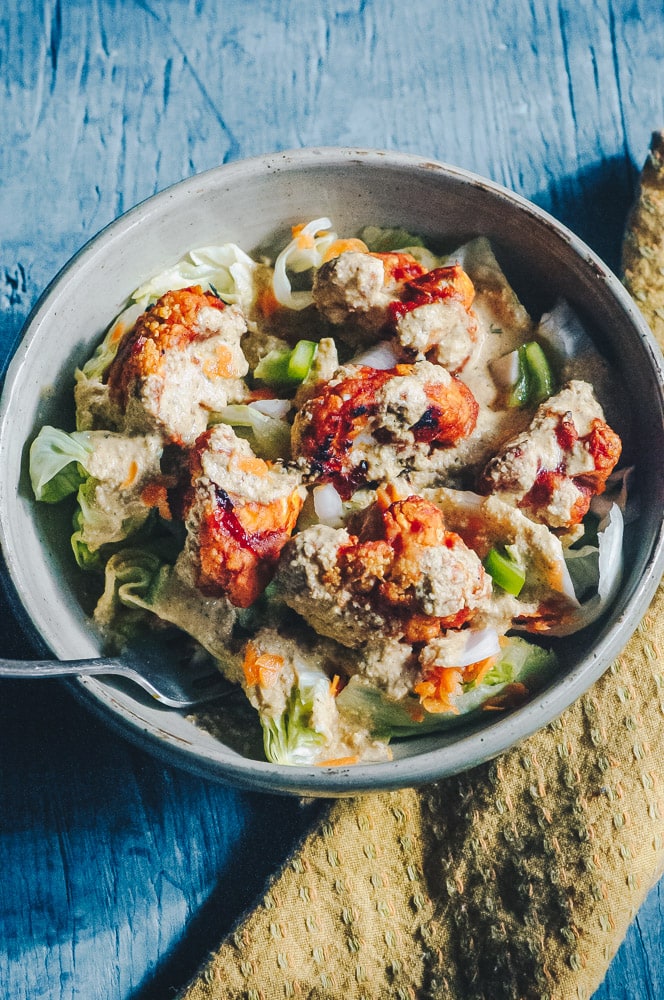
337 626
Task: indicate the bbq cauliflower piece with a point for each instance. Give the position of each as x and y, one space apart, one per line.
354 290
434 317
180 360
552 470
367 425
405 575
239 511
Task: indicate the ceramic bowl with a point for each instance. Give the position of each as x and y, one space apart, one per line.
254 203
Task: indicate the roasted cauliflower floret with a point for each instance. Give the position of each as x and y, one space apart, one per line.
433 317
367 425
180 360
552 470
405 575
355 289
239 512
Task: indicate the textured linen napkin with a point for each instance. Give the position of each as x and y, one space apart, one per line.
517 879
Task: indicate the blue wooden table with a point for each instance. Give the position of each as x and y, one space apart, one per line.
117 873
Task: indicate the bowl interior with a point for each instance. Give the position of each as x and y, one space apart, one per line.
254 203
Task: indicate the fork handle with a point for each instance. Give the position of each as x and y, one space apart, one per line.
56 668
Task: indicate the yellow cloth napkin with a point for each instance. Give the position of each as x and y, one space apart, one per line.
517 879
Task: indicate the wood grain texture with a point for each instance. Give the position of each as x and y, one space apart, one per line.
119 873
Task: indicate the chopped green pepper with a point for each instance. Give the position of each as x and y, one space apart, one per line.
534 381
505 572
300 361
287 367
540 376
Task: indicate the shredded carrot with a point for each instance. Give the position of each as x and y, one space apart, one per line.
252 465
344 246
436 691
476 671
250 665
334 685
262 669
222 366
156 495
131 476
267 301
338 761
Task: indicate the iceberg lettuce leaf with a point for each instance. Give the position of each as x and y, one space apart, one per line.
98 532
58 462
140 583
225 270
520 661
106 350
292 737
596 572
397 240
131 576
271 436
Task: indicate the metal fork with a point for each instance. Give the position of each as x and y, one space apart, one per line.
172 683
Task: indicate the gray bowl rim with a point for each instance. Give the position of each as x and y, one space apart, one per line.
469 749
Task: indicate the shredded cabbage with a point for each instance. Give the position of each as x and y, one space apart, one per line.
305 251
225 270
271 435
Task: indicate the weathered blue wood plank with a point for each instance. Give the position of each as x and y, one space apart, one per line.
119 873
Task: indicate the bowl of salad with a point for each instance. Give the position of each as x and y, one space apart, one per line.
372 435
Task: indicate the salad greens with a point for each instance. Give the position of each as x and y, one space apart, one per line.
520 662
58 463
128 490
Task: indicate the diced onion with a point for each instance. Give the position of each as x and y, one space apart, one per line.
277 408
480 645
505 370
328 505
381 356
